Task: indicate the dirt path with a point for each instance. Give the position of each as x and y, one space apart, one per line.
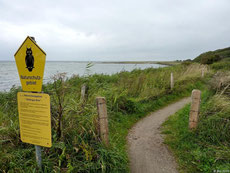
147 153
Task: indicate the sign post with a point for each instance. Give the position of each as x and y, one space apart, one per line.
38 155
33 106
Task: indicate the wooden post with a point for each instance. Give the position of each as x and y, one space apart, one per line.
194 110
202 72
83 92
172 82
103 120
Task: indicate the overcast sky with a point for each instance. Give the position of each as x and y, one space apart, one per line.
115 30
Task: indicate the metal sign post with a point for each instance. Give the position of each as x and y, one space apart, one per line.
38 151
33 106
38 155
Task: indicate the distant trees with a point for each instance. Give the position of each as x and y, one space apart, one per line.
210 59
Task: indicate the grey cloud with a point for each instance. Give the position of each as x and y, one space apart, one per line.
116 30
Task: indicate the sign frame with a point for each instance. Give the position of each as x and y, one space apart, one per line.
30 60
35 118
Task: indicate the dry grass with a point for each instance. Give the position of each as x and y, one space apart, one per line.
221 83
194 70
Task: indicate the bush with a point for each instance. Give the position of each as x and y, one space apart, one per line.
222 65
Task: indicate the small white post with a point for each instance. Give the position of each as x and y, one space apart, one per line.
172 82
202 72
83 90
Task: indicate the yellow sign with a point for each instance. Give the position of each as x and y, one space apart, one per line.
34 118
30 60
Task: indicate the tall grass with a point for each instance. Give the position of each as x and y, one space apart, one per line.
206 149
76 144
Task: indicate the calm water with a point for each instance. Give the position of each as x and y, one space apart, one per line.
9 74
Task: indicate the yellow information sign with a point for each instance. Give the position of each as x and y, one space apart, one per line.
30 60
34 118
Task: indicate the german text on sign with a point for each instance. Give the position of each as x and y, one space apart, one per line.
34 118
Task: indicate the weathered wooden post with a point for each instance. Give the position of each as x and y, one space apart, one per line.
195 108
103 120
202 72
172 82
83 92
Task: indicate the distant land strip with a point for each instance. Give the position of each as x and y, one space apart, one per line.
138 62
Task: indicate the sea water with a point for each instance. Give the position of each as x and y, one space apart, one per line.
9 74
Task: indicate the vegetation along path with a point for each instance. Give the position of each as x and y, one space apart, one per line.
147 152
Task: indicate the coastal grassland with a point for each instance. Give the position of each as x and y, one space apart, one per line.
207 149
76 145
211 57
223 65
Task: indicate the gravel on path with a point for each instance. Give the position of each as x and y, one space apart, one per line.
147 152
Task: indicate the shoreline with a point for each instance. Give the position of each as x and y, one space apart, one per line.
170 63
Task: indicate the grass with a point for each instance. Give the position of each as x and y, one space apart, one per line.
206 149
223 65
76 144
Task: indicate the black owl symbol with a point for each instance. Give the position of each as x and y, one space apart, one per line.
29 59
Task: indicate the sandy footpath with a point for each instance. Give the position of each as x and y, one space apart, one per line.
147 153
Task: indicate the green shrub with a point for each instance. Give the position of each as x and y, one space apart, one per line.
222 65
